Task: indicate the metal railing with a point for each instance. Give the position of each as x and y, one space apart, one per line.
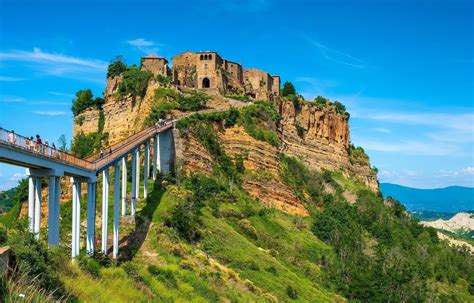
94 163
33 146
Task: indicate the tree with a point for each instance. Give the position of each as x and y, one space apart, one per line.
62 143
117 67
84 100
340 108
288 89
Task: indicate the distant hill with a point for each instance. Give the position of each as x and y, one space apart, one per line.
450 199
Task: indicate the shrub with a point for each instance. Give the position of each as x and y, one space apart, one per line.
164 80
232 117
340 108
85 145
300 130
84 100
196 100
260 120
292 292
320 101
116 68
164 274
34 260
135 82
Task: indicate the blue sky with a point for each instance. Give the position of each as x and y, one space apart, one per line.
404 69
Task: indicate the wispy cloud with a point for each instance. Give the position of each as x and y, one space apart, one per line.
61 94
145 46
50 113
58 64
17 176
408 147
382 130
10 79
11 99
337 56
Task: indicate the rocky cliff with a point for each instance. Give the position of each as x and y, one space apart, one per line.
318 136
323 140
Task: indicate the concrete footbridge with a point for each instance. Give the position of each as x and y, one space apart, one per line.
43 161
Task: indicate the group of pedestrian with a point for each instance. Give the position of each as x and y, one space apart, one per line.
161 123
33 144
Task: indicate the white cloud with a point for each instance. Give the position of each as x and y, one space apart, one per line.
337 56
50 113
11 99
468 171
10 79
146 46
17 176
408 147
58 64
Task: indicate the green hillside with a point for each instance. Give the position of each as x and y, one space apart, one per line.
202 238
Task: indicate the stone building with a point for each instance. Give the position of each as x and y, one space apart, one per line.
156 65
208 70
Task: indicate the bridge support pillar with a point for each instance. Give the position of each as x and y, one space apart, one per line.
116 208
31 202
124 185
37 211
105 208
53 215
166 138
156 155
134 182
146 169
137 190
91 193
57 206
76 217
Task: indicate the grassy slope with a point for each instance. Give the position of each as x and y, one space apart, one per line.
237 265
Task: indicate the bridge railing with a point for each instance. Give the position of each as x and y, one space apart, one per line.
117 150
41 149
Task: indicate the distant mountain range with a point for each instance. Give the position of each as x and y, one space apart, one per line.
450 199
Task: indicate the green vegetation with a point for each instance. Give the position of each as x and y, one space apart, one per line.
11 201
85 100
135 82
260 121
167 99
300 131
116 68
243 98
34 261
357 155
288 89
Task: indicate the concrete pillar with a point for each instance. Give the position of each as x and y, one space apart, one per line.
155 156
90 246
134 181
124 185
105 209
73 232
57 196
52 220
37 211
31 202
146 169
78 218
116 208
138 173
165 147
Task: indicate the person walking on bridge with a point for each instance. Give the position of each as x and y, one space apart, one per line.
12 137
39 146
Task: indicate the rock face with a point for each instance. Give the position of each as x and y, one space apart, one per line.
319 137
323 140
261 180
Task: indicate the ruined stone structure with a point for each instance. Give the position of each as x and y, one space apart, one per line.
156 65
208 70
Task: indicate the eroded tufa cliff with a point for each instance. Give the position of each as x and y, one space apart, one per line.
322 141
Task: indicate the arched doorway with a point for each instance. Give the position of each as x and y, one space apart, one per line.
206 83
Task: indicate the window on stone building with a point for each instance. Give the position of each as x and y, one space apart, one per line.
210 57
202 57
205 65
